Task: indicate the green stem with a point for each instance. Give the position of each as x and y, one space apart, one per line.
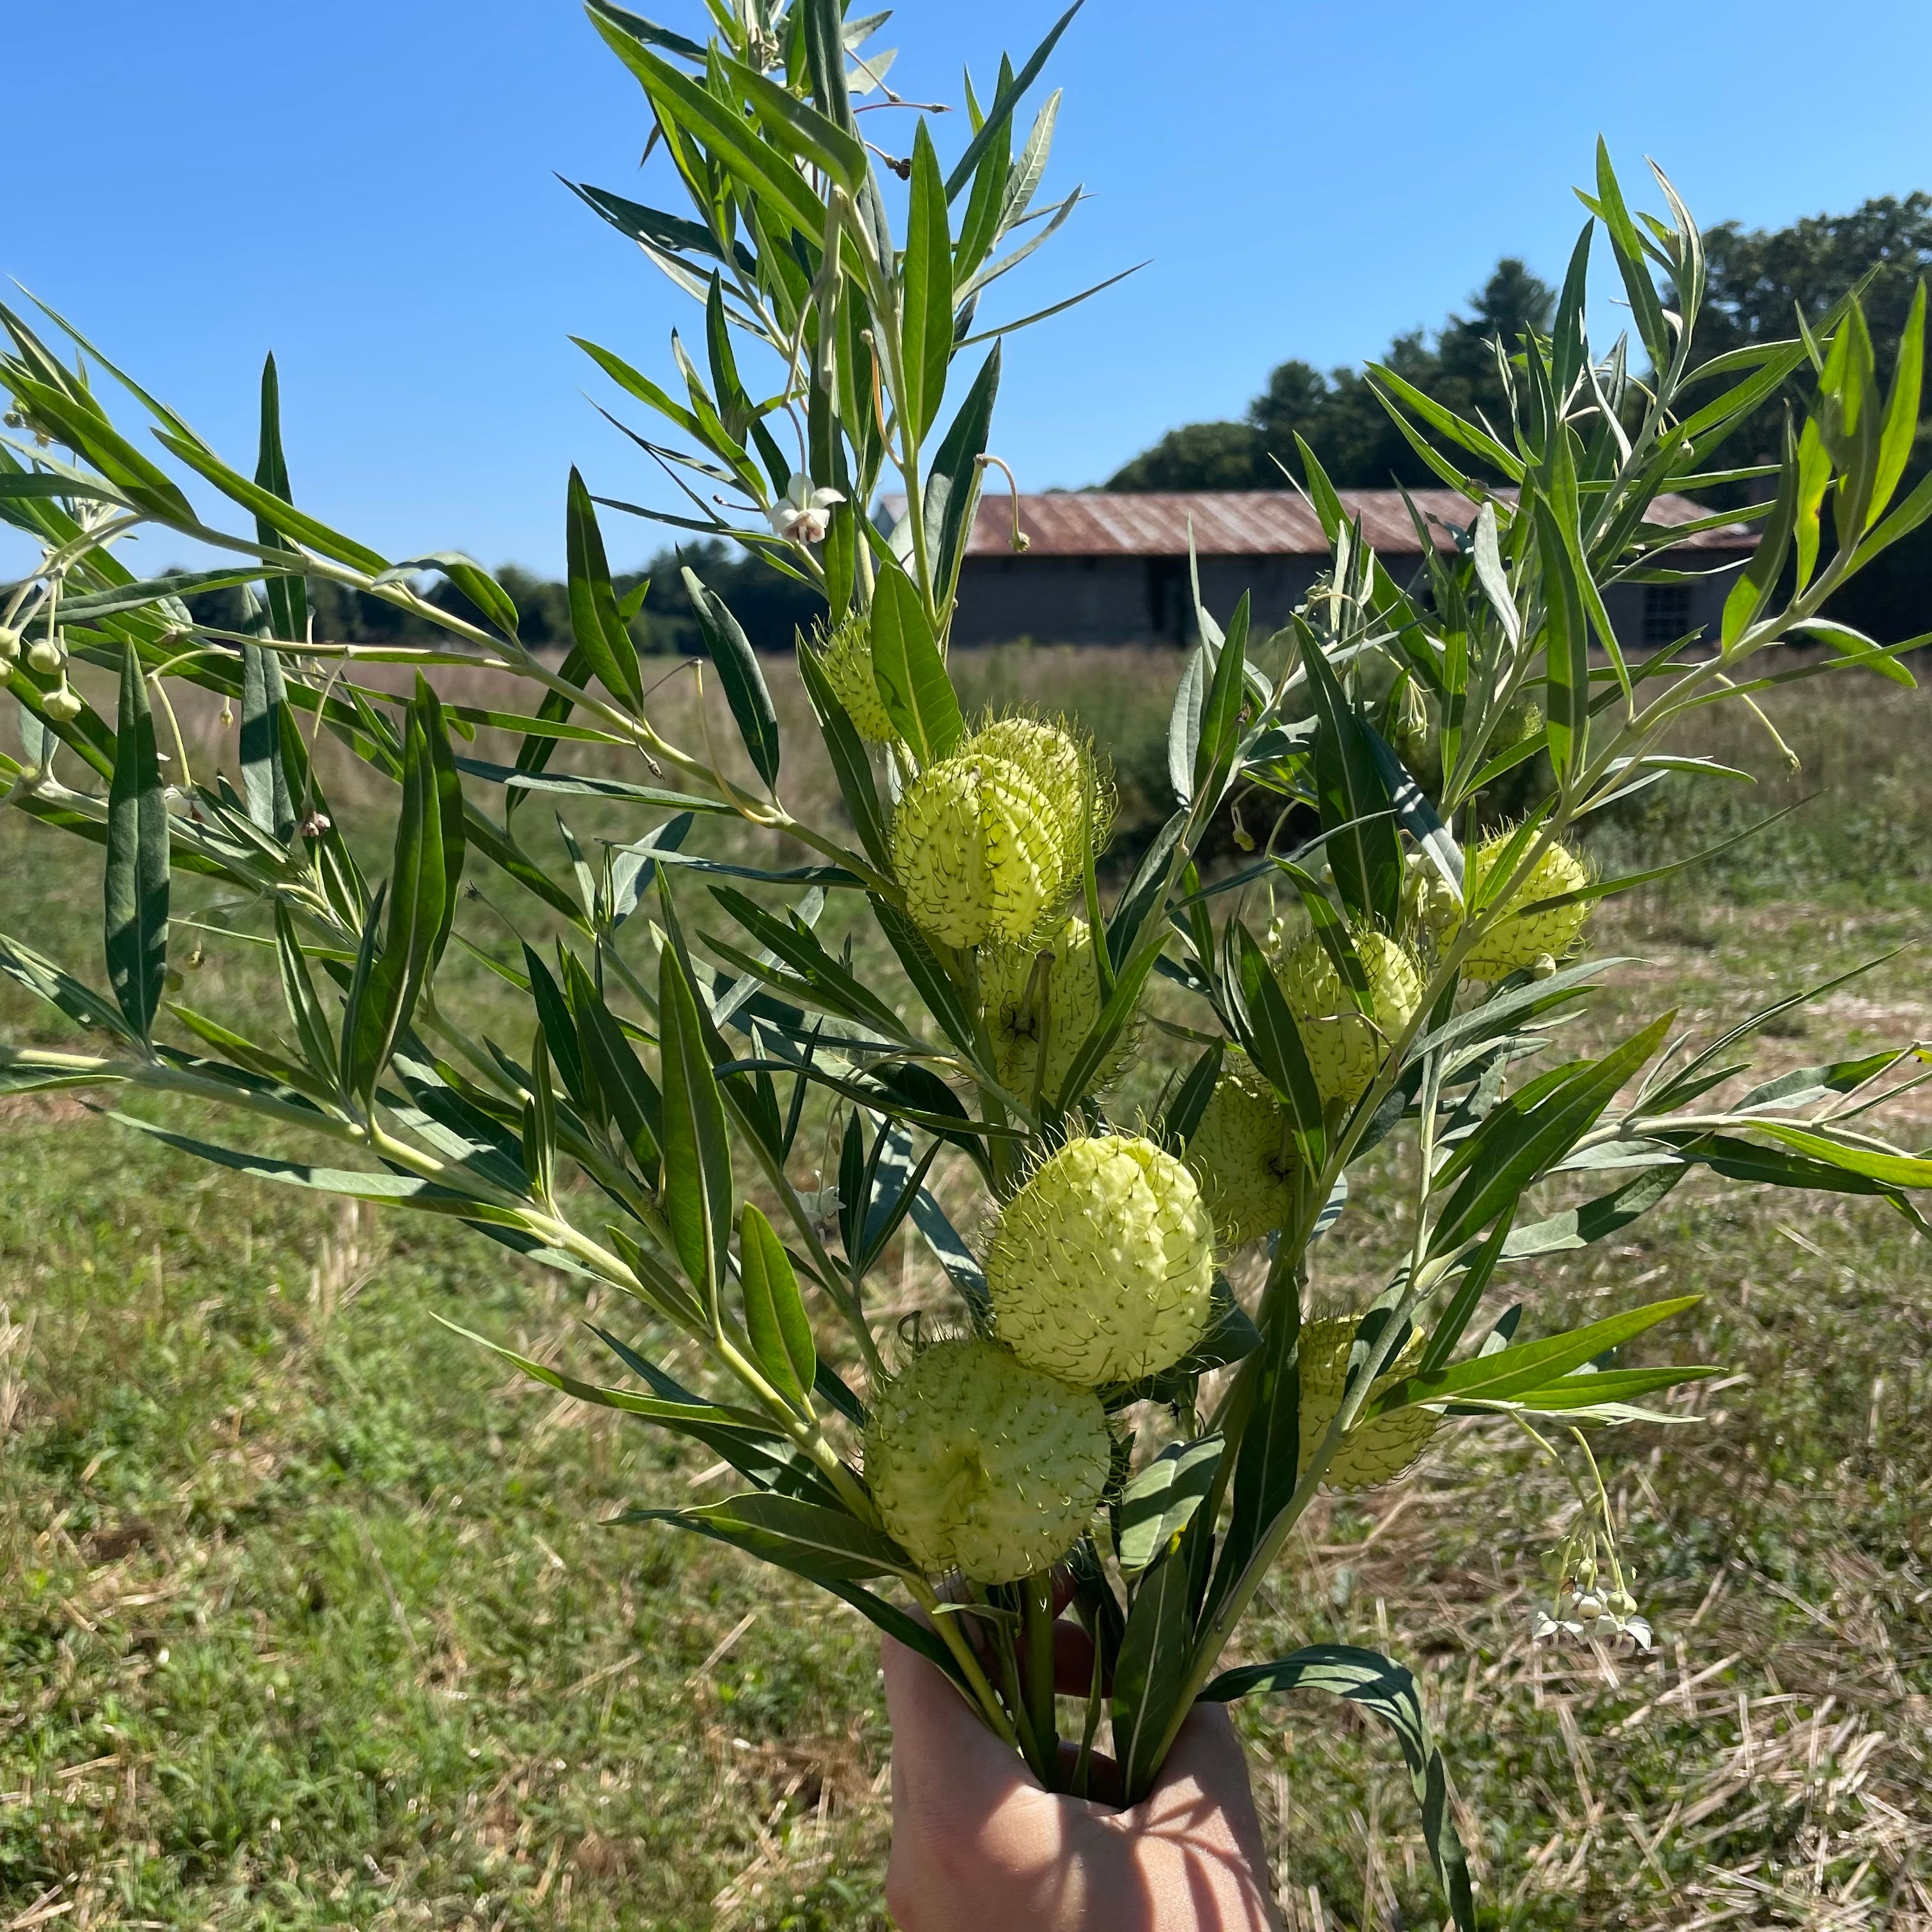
1038 1630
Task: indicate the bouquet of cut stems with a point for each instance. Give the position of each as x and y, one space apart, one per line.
1140 1385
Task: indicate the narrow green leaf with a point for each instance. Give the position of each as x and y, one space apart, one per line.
288 603
810 1540
1151 1670
696 1152
918 695
1368 1679
265 780
1221 714
1566 657
291 525
594 622
925 299
738 670
1160 1502
1009 97
775 1316
136 878
850 763
1364 847
1901 409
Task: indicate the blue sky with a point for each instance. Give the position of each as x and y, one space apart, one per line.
368 188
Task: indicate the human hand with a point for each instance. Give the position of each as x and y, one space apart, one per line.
979 1845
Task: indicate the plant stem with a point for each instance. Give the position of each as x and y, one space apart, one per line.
1038 1630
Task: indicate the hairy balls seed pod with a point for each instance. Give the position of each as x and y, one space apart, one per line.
1373 1452
847 657
978 850
1345 1045
980 1463
1102 1269
1527 931
1243 1154
1039 1015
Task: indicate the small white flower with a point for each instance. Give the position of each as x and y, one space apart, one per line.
802 514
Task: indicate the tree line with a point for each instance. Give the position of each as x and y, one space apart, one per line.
1757 278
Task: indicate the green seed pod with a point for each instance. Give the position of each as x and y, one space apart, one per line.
1061 1003
1102 1266
1062 762
847 656
1520 938
1243 1154
980 851
982 1464
1344 1045
1373 1452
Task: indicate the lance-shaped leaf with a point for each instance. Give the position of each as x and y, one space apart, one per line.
913 687
775 1316
1369 1680
45 980
1160 1502
137 858
1364 847
737 664
1151 1672
1009 97
696 1152
810 1540
1519 1141
265 779
849 762
1566 645
422 891
925 299
952 478
1506 1372
1273 1043
1267 1461
312 1028
288 604
599 631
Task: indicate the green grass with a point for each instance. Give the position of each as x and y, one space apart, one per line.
311 1616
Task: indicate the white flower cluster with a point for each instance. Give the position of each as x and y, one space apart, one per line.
1593 1597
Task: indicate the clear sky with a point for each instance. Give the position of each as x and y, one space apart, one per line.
367 187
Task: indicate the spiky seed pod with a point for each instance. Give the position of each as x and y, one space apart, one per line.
1102 1267
1064 765
1243 1154
979 849
847 657
1520 938
1062 1006
980 1463
1344 1045
1373 1452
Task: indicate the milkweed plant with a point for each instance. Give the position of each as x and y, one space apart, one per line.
1099 1411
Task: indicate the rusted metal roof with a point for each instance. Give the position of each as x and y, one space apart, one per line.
1244 523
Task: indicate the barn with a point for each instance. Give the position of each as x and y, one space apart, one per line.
1107 567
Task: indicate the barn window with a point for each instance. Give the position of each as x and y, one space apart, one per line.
1666 612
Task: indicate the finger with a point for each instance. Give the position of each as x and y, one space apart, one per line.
944 1756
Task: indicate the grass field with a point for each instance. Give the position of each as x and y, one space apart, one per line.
311 1615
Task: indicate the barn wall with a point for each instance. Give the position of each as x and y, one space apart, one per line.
1129 600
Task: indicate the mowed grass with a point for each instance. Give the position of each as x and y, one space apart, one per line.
312 1615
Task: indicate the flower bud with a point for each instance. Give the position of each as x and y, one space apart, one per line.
1102 1269
1526 932
45 656
980 1463
1372 1452
1243 1154
10 644
63 704
1344 1045
1431 911
980 851
1029 1008
847 656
